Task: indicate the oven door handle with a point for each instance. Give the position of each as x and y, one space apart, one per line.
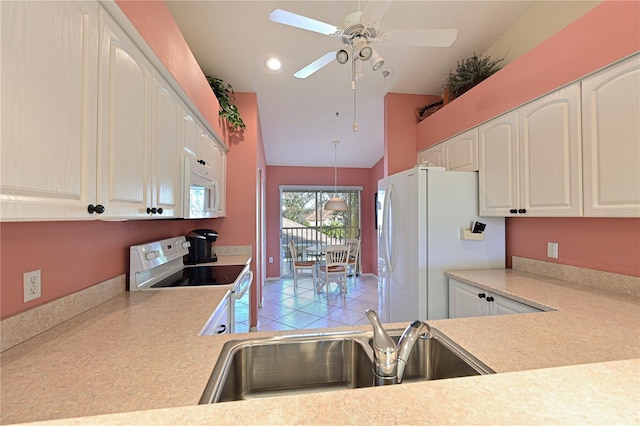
238 295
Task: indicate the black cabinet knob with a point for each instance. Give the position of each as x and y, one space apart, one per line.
222 329
513 211
99 209
490 299
522 211
160 210
148 210
481 295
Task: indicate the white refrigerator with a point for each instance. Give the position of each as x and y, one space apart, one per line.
420 213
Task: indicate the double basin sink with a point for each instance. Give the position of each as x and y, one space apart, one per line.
289 365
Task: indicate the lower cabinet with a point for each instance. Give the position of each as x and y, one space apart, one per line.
466 300
220 320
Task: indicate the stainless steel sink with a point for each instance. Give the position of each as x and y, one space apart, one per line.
279 366
438 357
285 365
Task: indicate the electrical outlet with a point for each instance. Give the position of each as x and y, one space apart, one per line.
270 259
552 250
32 285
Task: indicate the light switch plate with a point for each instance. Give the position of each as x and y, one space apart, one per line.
552 250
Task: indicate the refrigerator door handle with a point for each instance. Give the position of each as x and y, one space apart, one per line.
386 236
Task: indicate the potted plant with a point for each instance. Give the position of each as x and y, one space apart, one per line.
470 72
226 97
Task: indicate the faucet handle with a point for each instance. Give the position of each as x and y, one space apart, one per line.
384 349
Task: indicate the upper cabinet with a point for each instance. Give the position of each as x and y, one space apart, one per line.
460 153
101 135
125 114
530 158
49 113
611 140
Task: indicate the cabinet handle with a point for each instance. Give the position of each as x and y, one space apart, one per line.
99 209
522 211
490 299
222 329
481 295
153 210
160 210
513 211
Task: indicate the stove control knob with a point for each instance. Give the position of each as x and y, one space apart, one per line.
151 255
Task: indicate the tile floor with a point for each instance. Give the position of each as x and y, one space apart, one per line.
285 308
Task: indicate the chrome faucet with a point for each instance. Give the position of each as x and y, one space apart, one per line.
389 360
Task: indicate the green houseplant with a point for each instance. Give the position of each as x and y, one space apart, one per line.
226 97
470 72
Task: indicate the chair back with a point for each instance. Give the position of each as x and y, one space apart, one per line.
292 250
336 255
354 249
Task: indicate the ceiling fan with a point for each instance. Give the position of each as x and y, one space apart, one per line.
359 29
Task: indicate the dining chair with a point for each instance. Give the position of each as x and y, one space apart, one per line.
301 265
354 255
334 268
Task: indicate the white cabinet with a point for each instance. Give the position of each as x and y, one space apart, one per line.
433 155
611 140
49 110
466 300
220 320
220 178
530 159
166 165
125 89
461 151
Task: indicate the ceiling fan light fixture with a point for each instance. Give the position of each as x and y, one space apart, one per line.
364 50
342 56
376 61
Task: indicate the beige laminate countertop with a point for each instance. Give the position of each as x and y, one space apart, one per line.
141 351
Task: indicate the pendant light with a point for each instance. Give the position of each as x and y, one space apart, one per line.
335 203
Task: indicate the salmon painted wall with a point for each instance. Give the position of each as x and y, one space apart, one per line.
400 130
603 35
323 176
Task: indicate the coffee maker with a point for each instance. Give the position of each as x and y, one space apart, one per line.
200 250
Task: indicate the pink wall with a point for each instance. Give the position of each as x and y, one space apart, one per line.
400 130
281 175
74 255
605 34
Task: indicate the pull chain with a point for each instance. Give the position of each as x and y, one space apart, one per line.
353 87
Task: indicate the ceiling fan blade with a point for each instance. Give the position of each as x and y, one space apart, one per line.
431 37
288 18
373 12
314 66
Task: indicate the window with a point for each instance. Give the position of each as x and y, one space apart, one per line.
305 221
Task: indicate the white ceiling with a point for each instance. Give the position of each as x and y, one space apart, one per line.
231 40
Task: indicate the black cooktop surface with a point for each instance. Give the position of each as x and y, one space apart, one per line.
201 276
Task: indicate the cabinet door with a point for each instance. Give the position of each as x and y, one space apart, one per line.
220 177
190 133
611 140
498 165
124 139
49 109
550 171
166 150
466 300
433 156
504 306
206 148
461 152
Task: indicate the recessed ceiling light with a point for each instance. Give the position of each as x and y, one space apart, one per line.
273 64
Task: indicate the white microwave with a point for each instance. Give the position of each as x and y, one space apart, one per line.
201 194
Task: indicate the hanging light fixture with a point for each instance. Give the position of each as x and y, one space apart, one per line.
335 203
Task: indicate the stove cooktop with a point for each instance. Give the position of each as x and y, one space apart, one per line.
202 276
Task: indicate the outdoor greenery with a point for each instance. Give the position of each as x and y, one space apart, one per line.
226 97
